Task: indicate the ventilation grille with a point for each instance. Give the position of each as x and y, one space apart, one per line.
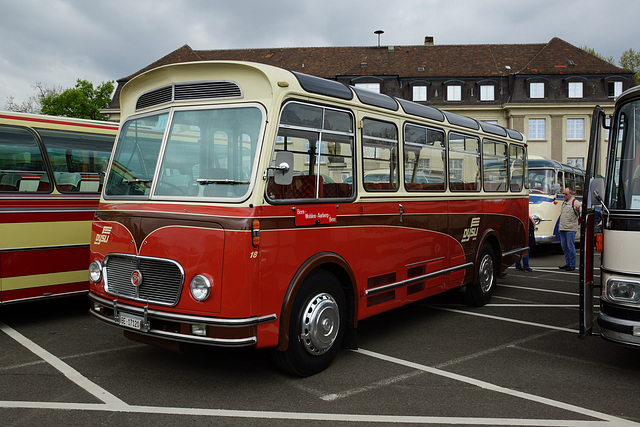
155 97
181 92
161 279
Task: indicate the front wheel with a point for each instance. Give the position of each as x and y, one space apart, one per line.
479 293
316 326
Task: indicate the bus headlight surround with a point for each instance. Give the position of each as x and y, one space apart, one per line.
623 290
200 287
95 271
536 219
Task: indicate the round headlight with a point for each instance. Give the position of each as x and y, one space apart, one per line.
200 287
95 271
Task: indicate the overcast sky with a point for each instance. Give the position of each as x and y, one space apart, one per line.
55 42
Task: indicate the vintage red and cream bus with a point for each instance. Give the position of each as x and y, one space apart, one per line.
248 205
50 182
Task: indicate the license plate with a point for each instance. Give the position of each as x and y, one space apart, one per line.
129 321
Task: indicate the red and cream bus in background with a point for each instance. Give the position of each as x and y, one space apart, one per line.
247 205
50 182
618 194
547 180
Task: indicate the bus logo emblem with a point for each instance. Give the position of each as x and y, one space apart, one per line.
136 278
471 233
104 236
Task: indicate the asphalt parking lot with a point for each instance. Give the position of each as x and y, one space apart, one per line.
516 361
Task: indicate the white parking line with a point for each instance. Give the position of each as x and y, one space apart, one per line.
551 291
65 369
114 404
602 419
503 319
499 389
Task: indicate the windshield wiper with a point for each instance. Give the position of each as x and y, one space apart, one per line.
207 181
136 181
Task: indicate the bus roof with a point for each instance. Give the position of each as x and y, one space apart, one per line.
54 122
190 81
536 162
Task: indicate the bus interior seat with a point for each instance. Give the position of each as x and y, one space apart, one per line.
67 181
303 187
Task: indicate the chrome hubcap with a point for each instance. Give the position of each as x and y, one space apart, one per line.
486 274
320 324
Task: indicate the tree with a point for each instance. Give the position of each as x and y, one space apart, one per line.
592 51
81 101
33 103
630 60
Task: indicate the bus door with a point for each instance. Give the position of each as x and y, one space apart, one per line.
587 225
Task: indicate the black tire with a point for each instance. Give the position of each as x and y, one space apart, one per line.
479 293
316 326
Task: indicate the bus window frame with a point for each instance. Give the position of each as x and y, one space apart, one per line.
444 149
399 149
45 161
293 128
478 154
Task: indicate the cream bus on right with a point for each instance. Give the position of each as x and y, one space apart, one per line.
619 195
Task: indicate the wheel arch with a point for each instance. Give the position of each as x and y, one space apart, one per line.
339 267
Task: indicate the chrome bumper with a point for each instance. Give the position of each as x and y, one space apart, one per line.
109 311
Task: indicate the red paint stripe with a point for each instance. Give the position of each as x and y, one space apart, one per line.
23 263
48 201
43 291
59 122
46 217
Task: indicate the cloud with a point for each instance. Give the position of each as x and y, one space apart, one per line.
58 41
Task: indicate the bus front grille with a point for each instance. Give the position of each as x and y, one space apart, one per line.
161 279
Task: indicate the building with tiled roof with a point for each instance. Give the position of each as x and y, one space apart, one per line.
547 91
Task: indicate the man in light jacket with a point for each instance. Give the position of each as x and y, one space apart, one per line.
568 227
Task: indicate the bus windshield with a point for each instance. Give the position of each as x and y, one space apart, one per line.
543 181
208 153
623 190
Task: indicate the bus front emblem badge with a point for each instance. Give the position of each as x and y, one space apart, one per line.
136 278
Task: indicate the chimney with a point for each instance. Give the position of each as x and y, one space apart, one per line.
428 41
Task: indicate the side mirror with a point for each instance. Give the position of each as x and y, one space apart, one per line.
283 174
556 188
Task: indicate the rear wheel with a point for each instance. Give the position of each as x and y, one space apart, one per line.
316 326
480 292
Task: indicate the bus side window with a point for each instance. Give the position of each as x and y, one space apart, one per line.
21 163
464 163
379 155
78 159
321 142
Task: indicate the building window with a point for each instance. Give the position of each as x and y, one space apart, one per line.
575 129
614 89
537 129
454 93
419 93
536 90
575 89
487 93
373 87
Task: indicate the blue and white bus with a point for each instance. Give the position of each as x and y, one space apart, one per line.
547 179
